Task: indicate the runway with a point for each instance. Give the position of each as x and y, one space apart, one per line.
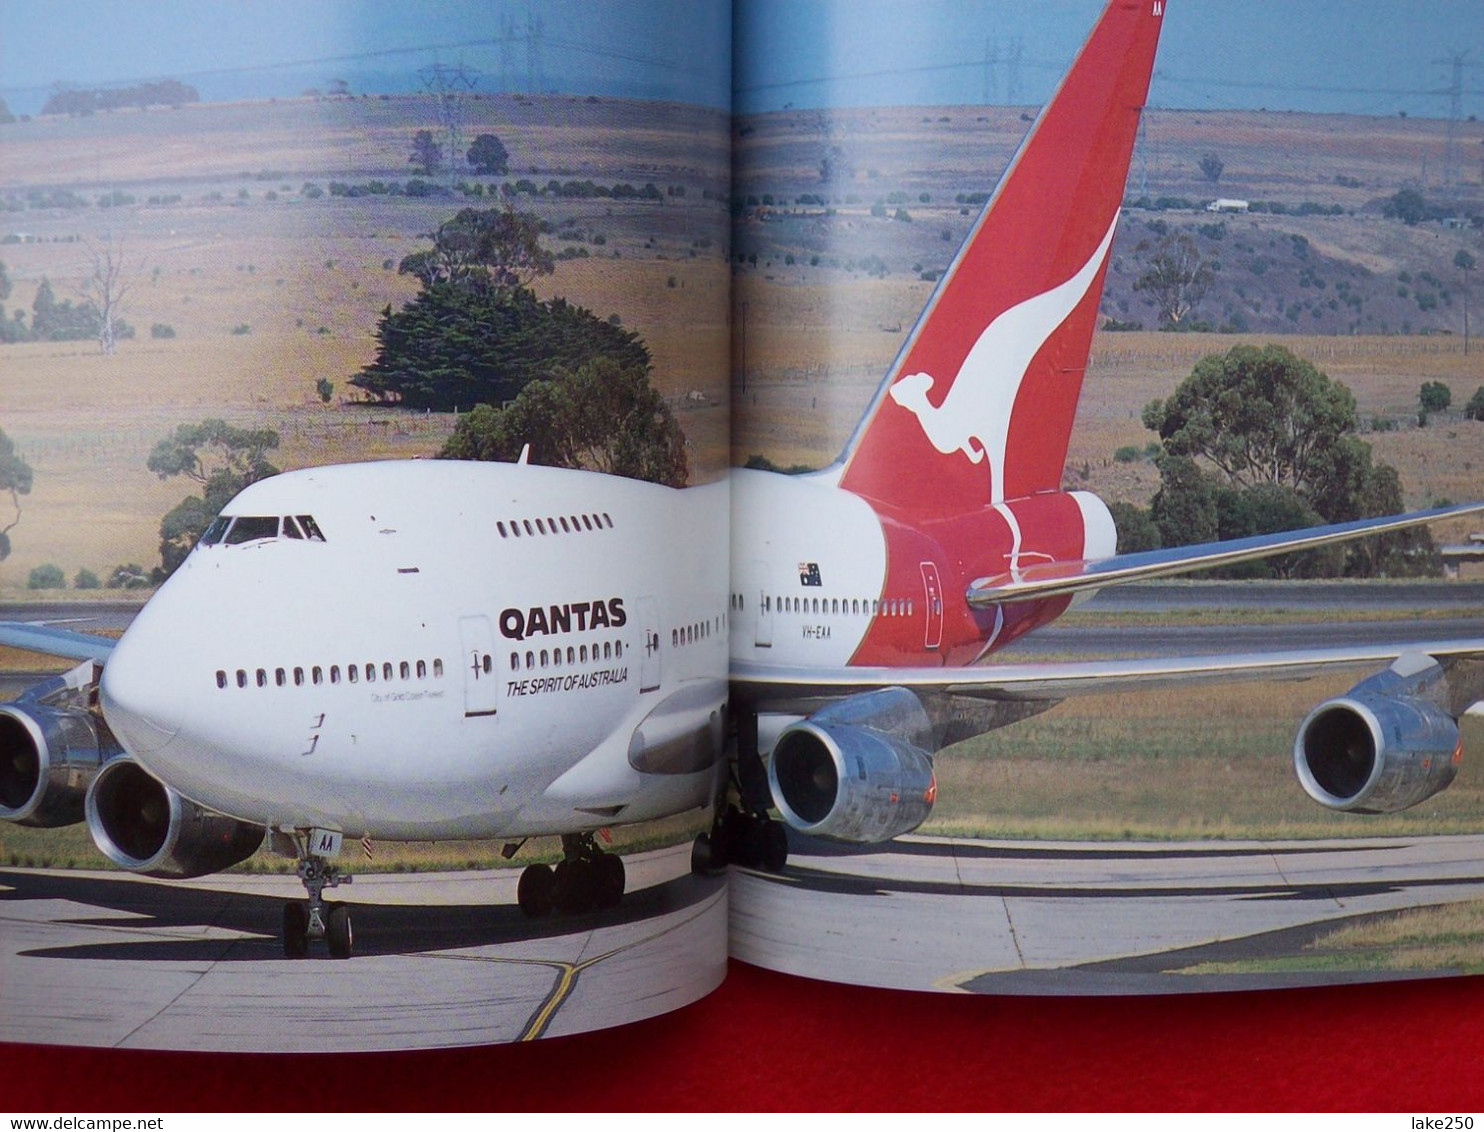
112 959
992 917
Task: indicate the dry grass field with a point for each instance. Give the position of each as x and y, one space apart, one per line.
1172 764
269 288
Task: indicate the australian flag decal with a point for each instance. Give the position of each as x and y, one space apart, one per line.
809 574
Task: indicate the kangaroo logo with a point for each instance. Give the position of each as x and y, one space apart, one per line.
974 417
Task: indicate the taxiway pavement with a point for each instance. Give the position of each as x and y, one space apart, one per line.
997 917
111 959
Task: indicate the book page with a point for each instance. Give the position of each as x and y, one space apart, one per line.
970 368
462 280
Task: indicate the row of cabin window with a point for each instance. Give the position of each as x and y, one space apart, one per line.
316 674
698 631
611 650
872 607
578 524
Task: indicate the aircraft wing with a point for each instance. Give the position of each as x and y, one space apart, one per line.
40 637
1056 579
804 689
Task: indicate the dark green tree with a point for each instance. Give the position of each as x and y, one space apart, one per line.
1474 410
1136 528
1261 415
220 457
15 478
488 156
482 250
1409 206
1211 167
453 348
1434 397
47 577
1257 441
427 154
603 416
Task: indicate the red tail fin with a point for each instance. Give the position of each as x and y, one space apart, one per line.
978 405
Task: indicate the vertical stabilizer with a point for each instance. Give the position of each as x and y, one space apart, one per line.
978 405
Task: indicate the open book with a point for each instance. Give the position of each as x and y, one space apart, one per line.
711 618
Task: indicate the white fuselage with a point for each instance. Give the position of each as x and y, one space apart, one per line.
469 650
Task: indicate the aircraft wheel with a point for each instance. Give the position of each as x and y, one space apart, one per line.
706 857
295 930
775 846
535 891
608 877
573 890
338 933
755 843
729 837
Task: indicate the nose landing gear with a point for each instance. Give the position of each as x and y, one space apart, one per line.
318 918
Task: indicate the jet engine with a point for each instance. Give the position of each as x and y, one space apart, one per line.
142 825
1390 742
860 770
51 745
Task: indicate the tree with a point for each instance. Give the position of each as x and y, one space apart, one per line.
1211 167
482 249
1434 397
105 288
1474 410
451 348
603 416
1177 276
1261 415
325 388
1136 528
1408 206
47 577
427 154
220 457
15 478
1257 440
488 156
60 320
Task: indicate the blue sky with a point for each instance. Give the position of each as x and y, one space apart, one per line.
1376 57
1359 56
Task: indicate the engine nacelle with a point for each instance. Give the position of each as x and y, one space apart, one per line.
1387 744
50 750
142 825
860 770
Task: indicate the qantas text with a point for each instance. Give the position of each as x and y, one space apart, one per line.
579 615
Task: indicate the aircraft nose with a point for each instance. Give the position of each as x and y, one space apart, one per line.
135 698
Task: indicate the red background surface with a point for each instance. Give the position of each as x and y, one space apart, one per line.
770 1041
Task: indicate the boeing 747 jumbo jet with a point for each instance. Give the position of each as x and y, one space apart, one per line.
865 597
432 650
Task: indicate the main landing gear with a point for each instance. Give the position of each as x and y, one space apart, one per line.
744 835
318 918
585 878
752 840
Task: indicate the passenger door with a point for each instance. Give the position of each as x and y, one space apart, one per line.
481 678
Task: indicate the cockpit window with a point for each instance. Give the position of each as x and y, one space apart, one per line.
248 528
236 529
218 528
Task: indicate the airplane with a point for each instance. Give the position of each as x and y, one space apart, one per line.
434 649
407 650
868 597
